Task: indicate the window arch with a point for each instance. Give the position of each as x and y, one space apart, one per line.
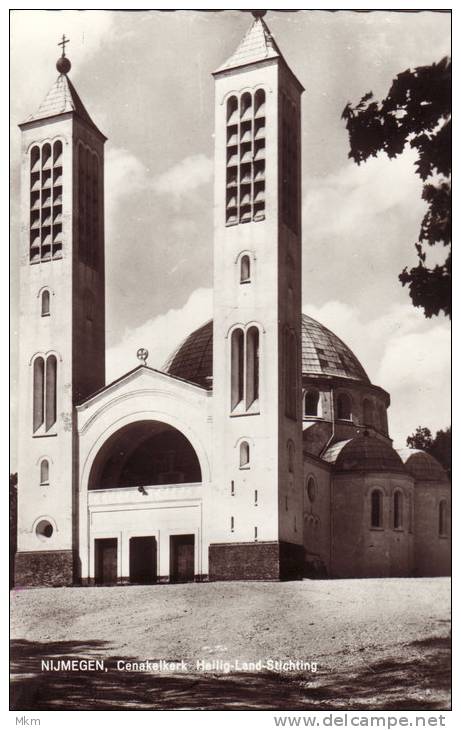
245 377
44 392
252 366
45 303
398 509
38 392
367 412
443 529
245 269
311 402
244 454
50 392
344 407
44 471
311 489
376 508
237 364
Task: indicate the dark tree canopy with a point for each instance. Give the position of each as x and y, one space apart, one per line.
438 447
416 111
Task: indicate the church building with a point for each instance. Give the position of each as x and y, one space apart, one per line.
261 450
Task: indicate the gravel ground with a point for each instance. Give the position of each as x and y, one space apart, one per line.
378 644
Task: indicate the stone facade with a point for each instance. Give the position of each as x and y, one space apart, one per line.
256 561
44 568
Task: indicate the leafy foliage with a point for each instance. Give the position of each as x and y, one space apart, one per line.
438 447
416 111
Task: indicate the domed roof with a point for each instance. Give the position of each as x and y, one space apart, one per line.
364 453
422 466
323 353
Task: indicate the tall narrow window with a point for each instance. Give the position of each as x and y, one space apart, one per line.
245 270
44 471
311 403
252 366
256 497
397 510
50 405
39 390
344 407
443 518
237 367
367 412
45 303
256 534
376 508
232 524
244 454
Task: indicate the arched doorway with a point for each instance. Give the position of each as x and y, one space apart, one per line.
139 457
145 453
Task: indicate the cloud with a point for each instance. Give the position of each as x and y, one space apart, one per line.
184 178
125 174
358 194
161 335
404 353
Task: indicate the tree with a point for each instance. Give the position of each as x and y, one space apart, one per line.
416 111
438 447
420 439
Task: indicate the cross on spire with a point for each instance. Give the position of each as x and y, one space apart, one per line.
63 44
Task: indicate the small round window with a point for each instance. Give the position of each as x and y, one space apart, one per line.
44 530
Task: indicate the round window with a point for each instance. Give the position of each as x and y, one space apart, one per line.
44 530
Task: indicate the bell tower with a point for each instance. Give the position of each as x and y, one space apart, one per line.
257 501
61 322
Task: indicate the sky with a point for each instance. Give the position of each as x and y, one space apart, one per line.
145 79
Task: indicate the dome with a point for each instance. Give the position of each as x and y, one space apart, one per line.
323 353
422 466
364 453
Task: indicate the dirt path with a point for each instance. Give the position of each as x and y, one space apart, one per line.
378 644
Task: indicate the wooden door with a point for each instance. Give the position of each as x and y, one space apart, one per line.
143 559
106 561
182 552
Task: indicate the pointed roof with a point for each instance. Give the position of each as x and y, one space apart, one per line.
258 44
62 98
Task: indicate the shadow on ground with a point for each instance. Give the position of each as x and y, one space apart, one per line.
394 683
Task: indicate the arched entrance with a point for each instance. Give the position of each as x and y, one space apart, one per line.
145 453
144 505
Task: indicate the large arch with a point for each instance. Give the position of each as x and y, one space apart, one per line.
145 453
